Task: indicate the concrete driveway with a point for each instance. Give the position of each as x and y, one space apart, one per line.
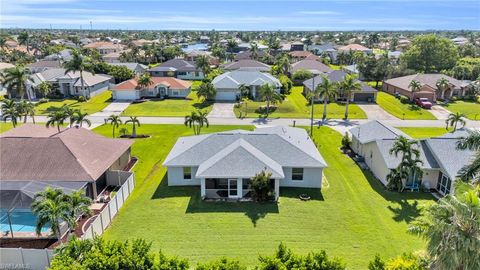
222 110
115 108
375 112
440 112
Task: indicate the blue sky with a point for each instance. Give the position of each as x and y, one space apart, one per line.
242 15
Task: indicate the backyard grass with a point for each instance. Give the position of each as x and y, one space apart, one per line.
424 132
470 108
408 111
95 104
296 106
352 217
168 107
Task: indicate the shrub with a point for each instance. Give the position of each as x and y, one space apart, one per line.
346 142
287 84
260 185
302 75
82 99
222 264
42 100
404 100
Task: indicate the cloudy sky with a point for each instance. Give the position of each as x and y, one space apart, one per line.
242 15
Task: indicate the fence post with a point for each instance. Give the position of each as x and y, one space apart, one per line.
123 195
23 259
101 221
48 257
116 205
109 212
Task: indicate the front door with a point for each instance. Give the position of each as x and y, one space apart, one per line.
232 188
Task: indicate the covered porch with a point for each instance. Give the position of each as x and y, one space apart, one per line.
231 188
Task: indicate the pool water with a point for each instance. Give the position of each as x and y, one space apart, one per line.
23 220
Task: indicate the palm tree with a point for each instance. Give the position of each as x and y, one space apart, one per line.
144 81
16 78
24 39
254 50
10 110
206 91
196 120
26 109
70 113
472 170
451 228
405 147
283 63
326 90
270 95
135 122
231 45
115 121
348 86
56 118
442 84
45 88
244 91
79 63
454 119
81 118
203 64
79 204
51 208
415 86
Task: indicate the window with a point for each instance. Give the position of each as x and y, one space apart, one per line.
182 73
187 173
297 174
246 183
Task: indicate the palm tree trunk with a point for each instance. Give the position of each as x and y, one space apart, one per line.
346 108
324 108
33 118
113 131
58 127
25 118
134 131
268 107
455 126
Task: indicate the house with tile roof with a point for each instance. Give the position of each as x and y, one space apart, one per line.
178 68
441 160
160 87
314 66
222 164
355 47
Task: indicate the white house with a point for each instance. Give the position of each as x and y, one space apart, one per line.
160 87
441 159
227 84
222 164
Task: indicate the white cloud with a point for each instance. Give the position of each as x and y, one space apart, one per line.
318 12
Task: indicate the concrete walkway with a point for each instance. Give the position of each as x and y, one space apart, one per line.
222 110
375 112
115 108
440 112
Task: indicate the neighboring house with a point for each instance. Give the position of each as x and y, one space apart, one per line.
161 87
319 49
227 84
222 164
34 157
460 41
314 66
355 47
70 84
301 55
353 69
244 46
193 55
178 68
3 66
63 56
204 39
104 47
366 94
43 65
247 64
247 55
297 46
135 67
401 85
441 159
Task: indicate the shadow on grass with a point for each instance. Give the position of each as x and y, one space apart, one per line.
405 211
202 105
414 107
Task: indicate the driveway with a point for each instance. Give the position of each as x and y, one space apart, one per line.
440 112
375 112
115 108
222 110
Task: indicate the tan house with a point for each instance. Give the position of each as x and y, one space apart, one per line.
160 87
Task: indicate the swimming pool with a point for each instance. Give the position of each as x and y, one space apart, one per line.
23 220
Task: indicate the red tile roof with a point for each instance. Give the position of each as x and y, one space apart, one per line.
171 82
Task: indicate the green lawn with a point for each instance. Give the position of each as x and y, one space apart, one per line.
470 108
5 126
168 107
424 132
95 104
296 106
408 111
352 217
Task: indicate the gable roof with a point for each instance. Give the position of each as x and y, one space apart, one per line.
335 76
54 74
354 47
247 64
375 130
132 66
170 82
392 161
45 64
424 79
29 153
221 153
314 66
234 79
176 64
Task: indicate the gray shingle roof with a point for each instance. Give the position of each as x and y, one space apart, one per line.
375 130
238 153
314 66
335 76
247 64
392 161
131 66
175 64
448 156
234 79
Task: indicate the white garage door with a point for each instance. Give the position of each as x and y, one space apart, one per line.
124 95
226 95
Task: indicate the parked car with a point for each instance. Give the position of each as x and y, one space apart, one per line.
424 103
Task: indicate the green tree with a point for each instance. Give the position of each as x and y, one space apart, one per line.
26 109
121 73
81 118
302 75
269 94
454 119
202 63
410 153
115 121
231 46
10 111
221 264
442 84
471 172
81 64
78 204
430 53
24 39
134 121
207 91
45 88
348 87
415 86
287 84
15 80
327 91
144 81
196 120
452 231
283 63
57 118
261 188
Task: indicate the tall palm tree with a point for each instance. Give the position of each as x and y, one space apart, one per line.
79 63
442 84
26 109
196 120
115 121
472 170
202 63
81 118
79 204
454 119
10 111
134 121
231 46
51 208
348 86
415 86
16 79
451 228
254 50
24 39
270 95
283 63
56 118
144 81
405 147
326 90
70 113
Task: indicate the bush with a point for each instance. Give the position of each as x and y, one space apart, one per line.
260 185
222 264
405 100
302 75
287 84
42 100
82 99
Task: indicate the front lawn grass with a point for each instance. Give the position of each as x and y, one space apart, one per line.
403 111
5 126
352 216
296 106
168 107
93 105
424 132
470 108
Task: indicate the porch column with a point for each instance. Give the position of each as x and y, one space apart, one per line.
443 94
202 187
277 189
240 187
